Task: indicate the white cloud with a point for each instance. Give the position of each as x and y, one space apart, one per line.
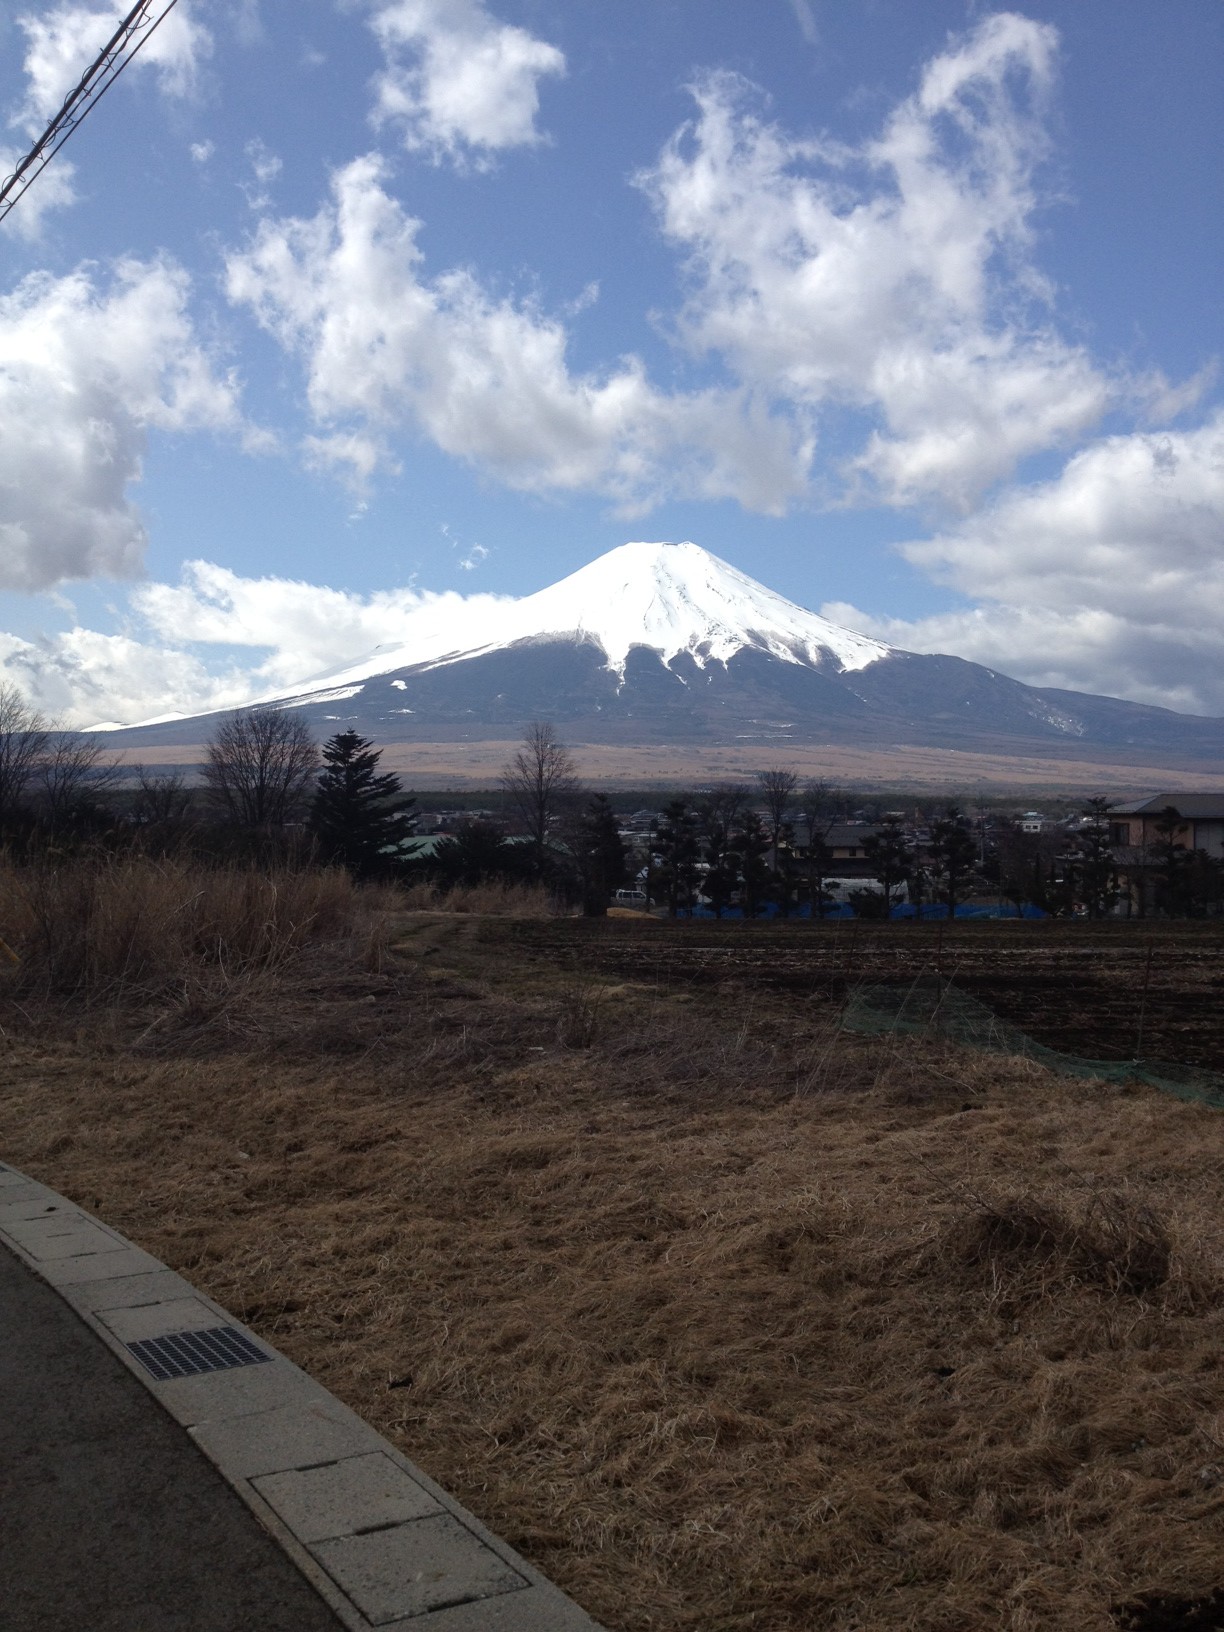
64 39
1109 578
806 19
52 190
266 166
894 279
201 152
486 379
179 656
84 678
305 628
885 294
458 83
88 371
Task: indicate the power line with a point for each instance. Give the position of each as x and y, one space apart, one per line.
136 29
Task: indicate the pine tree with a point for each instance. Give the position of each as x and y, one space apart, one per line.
1093 869
718 811
677 851
475 852
890 858
752 846
359 813
599 854
952 855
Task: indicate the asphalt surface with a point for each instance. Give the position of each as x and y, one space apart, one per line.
111 1520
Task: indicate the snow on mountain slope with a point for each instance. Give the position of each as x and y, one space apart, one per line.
672 598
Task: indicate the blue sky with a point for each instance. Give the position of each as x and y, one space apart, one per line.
331 312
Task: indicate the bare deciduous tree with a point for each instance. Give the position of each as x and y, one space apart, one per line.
818 805
70 773
23 741
260 768
538 782
162 800
777 787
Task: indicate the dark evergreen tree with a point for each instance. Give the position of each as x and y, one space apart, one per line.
359 815
479 851
952 856
891 858
1174 864
722 867
676 853
599 855
717 812
752 845
818 867
1091 871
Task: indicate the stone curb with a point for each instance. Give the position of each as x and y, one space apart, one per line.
384 1545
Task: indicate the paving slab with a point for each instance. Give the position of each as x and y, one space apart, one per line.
431 1563
164 1467
360 1493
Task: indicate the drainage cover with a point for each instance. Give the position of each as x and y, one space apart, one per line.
187 1354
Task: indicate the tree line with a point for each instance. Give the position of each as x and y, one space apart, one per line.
268 788
268 791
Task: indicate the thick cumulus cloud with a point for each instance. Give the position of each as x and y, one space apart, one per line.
886 292
486 379
457 83
272 633
82 678
62 41
1108 578
88 369
893 279
305 629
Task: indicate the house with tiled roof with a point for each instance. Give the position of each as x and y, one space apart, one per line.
1144 832
1141 823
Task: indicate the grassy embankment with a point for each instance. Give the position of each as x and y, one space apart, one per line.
726 1318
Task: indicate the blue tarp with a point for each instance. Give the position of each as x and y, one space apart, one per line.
928 912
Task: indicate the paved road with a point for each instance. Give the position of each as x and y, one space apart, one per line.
111 1520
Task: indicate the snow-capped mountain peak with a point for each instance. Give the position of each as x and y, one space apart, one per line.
678 598
670 598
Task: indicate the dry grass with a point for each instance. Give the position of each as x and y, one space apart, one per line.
110 926
495 898
726 1320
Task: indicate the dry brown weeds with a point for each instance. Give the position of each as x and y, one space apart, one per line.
110 926
726 1320
495 897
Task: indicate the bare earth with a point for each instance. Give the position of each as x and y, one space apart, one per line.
427 766
727 1319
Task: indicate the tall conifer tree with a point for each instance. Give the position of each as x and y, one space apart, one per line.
359 813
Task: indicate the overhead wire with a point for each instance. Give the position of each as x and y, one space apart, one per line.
139 25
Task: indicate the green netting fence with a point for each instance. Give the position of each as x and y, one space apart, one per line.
936 1008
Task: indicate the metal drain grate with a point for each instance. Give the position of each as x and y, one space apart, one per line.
187 1354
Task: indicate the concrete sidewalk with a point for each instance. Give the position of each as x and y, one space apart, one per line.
162 1469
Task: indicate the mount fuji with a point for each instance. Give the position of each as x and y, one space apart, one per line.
657 644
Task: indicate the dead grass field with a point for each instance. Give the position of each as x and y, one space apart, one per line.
726 1319
900 766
